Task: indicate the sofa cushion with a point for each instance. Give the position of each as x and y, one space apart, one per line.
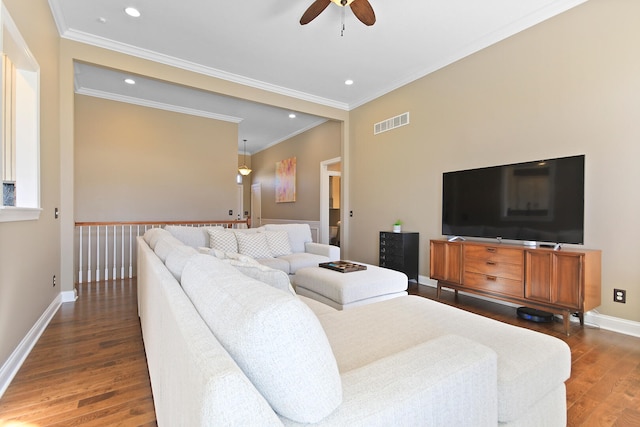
152 236
165 245
223 240
525 374
278 243
253 244
177 259
272 277
191 236
298 234
275 339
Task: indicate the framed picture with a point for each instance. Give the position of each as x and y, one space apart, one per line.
286 180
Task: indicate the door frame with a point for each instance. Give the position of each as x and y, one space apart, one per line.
325 173
256 205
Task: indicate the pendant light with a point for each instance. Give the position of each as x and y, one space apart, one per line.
244 169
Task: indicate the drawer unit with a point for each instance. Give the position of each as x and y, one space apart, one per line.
494 269
566 281
400 251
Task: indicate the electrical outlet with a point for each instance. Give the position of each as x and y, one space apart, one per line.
620 295
54 280
230 211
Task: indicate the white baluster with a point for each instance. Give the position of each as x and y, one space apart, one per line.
131 251
89 256
122 255
80 257
97 253
106 252
115 241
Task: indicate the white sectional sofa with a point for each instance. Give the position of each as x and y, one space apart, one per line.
286 247
227 349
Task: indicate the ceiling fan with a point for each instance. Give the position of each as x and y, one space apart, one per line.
361 8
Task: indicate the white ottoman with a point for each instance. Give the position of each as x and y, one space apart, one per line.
344 290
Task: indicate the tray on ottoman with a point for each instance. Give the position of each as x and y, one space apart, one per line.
342 266
350 290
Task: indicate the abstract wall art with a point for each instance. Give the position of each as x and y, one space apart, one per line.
286 180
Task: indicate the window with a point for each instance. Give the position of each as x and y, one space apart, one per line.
20 125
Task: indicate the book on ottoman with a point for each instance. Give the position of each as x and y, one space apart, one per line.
343 266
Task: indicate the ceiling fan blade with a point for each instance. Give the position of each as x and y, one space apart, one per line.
314 10
363 11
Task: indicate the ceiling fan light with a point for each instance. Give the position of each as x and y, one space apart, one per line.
342 2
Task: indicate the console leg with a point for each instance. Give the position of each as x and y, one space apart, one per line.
581 317
456 294
438 289
566 316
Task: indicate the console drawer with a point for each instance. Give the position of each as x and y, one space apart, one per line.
493 268
494 253
499 285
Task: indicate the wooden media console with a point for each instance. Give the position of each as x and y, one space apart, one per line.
562 281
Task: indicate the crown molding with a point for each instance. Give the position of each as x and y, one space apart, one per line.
158 105
291 135
101 42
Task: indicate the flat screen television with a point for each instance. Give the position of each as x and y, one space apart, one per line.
539 201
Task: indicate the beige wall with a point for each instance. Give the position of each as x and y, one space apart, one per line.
136 163
309 148
568 86
30 250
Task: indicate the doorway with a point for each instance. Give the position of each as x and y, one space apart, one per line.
330 199
256 205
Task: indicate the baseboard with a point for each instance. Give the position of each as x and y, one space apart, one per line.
602 321
19 355
615 324
69 296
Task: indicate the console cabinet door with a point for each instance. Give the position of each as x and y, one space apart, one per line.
446 261
538 276
569 280
554 277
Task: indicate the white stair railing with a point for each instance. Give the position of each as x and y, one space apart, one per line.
106 250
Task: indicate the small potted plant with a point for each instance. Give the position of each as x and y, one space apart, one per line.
397 226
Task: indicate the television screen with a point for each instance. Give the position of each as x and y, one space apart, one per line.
541 201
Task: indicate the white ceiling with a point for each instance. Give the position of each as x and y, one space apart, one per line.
260 43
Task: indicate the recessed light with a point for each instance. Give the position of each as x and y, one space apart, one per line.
130 81
102 20
292 115
132 11
348 82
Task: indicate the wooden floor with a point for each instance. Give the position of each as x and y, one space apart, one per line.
89 367
604 388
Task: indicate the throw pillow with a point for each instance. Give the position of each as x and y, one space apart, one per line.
273 337
299 234
254 245
222 239
278 243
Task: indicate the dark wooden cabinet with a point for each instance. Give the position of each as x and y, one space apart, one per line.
400 251
562 281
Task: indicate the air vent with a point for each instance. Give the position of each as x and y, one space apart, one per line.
392 123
